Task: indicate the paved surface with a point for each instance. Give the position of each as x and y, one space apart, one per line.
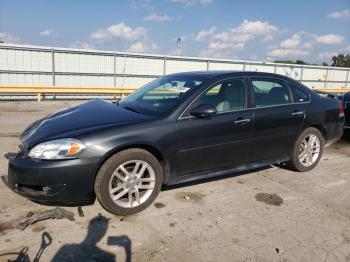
266 215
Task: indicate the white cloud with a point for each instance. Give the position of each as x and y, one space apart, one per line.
291 42
227 43
120 31
82 45
292 47
307 45
326 55
287 53
47 33
340 14
204 34
258 28
158 18
141 47
8 38
330 39
188 3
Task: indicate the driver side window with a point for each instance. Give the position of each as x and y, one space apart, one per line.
225 96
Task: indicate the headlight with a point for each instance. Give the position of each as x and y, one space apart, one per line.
57 149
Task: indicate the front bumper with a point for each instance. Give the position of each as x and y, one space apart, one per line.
52 182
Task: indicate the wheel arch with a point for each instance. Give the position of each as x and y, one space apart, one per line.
321 129
145 146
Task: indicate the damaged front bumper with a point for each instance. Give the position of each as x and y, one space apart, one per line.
57 182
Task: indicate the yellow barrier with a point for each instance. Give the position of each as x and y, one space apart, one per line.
333 90
40 90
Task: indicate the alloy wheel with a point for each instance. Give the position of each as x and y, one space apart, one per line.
132 183
309 150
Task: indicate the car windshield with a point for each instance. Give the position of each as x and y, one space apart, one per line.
162 95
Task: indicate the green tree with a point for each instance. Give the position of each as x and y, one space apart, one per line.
341 60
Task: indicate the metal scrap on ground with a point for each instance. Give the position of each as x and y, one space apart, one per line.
56 213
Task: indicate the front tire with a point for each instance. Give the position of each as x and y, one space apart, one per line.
308 150
128 182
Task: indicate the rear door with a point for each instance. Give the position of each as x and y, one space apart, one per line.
218 141
277 119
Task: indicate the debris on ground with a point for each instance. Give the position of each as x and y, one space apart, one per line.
187 198
56 213
80 212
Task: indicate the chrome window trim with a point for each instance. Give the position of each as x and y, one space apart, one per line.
247 78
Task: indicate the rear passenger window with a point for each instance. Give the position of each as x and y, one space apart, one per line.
270 92
300 95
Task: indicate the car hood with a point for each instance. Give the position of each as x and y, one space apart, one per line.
79 119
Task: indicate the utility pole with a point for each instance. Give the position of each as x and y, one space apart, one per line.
178 46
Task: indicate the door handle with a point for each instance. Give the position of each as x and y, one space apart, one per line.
298 113
242 121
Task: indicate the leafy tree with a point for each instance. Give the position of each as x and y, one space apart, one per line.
341 60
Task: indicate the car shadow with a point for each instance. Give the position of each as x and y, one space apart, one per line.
215 178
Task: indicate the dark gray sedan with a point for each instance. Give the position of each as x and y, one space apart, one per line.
178 128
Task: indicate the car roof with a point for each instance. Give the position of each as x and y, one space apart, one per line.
227 73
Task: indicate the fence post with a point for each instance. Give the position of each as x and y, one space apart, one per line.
53 74
347 78
301 74
208 65
275 69
114 70
53 66
244 65
325 81
164 66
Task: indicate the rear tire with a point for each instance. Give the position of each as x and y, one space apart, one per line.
308 150
128 182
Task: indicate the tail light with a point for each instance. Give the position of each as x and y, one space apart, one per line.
341 110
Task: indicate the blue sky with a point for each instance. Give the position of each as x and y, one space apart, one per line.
252 29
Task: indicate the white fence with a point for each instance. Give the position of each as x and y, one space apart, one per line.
45 66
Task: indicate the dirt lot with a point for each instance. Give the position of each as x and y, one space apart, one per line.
271 214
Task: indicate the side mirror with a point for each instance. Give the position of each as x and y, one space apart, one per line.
203 110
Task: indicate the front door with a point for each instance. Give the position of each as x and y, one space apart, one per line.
220 141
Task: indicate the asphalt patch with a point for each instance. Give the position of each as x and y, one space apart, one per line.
159 205
270 199
6 226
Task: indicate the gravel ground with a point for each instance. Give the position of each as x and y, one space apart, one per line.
270 214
